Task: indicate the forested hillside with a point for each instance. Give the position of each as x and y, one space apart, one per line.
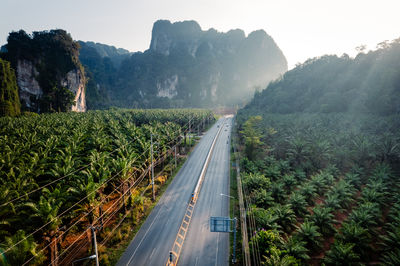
320 162
370 83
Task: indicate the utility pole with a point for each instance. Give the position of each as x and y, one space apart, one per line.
95 244
198 130
152 167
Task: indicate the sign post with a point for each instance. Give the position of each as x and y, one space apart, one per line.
225 225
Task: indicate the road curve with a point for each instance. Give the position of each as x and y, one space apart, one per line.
155 238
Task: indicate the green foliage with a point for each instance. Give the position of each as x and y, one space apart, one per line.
342 254
333 158
309 233
81 151
324 219
21 252
53 53
9 99
330 84
252 134
296 248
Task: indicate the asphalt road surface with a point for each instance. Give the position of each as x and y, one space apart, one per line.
155 238
203 247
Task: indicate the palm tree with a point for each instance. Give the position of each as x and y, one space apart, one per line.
342 254
321 153
298 151
320 183
354 179
362 149
332 201
300 175
266 219
278 192
262 198
85 188
323 218
46 212
391 258
391 242
344 192
309 233
289 182
285 215
21 252
276 259
309 192
7 212
296 248
366 215
388 148
351 232
372 195
298 203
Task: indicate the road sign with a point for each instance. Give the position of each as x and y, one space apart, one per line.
224 224
220 224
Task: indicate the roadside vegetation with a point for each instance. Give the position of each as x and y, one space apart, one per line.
323 188
320 162
66 172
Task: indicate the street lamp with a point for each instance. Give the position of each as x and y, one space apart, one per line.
222 194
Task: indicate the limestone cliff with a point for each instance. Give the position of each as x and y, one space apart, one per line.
188 67
29 89
75 81
184 66
49 75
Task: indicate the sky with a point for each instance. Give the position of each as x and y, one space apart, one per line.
302 29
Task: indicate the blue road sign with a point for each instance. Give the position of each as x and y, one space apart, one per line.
220 224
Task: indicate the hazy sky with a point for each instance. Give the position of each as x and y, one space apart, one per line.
302 29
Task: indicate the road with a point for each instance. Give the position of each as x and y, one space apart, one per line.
155 238
203 247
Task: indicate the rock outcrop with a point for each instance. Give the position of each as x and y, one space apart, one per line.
188 67
29 89
75 81
49 75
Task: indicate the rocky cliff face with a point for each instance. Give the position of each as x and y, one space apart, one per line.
49 75
29 89
188 67
75 81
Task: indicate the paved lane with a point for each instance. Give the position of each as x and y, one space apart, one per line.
155 238
203 247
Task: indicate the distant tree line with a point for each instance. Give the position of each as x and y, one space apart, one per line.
369 83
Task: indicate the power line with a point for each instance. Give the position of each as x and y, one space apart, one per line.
135 183
65 176
143 175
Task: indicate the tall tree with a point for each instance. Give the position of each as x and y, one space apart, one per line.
9 99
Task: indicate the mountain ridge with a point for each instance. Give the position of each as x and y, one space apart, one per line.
188 67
